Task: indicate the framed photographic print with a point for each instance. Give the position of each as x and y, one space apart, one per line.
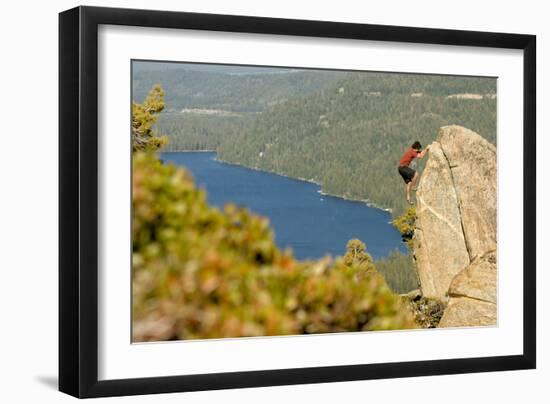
250 201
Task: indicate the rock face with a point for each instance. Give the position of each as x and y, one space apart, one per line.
472 295
439 244
478 280
465 312
473 165
455 236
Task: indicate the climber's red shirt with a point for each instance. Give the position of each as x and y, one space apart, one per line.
408 156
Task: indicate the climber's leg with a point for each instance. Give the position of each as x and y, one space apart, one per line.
413 181
409 186
409 175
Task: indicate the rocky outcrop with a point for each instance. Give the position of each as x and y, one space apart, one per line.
455 236
473 165
439 244
478 280
472 295
464 312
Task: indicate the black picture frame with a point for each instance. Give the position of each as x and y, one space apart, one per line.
78 200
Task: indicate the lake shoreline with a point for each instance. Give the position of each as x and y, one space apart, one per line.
321 191
303 216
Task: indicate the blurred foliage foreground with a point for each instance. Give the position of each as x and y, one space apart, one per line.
199 272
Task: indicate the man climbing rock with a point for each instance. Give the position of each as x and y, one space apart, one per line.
409 175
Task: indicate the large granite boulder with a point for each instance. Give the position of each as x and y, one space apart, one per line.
473 295
473 164
478 280
456 227
439 245
466 312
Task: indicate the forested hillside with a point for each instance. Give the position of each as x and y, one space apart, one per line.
230 91
192 131
350 137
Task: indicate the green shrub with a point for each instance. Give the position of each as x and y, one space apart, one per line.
427 311
406 224
200 272
144 117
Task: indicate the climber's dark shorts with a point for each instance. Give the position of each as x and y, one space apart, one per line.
407 173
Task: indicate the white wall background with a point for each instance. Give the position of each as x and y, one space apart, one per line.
28 199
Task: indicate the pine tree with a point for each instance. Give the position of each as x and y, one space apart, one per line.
144 116
357 255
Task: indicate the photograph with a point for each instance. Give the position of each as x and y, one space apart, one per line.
253 201
289 200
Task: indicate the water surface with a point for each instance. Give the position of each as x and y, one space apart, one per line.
312 224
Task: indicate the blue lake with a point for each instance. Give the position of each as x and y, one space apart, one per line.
312 224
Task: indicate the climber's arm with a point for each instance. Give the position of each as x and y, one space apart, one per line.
423 152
